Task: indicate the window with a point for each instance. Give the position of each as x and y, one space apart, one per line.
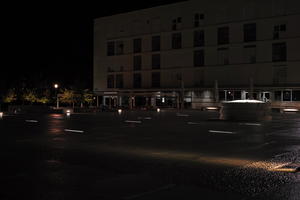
249 32
176 40
277 96
120 48
156 43
119 81
199 58
199 38
110 48
137 80
279 52
110 81
137 63
237 95
223 56
222 96
278 29
197 19
287 95
155 79
156 61
296 95
223 35
250 54
176 23
137 45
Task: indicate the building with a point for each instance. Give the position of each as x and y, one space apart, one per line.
198 53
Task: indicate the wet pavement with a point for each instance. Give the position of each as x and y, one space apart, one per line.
148 155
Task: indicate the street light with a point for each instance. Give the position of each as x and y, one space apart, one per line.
57 100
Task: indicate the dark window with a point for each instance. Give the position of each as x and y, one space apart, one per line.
296 95
137 63
223 35
286 95
137 80
155 79
176 40
199 38
249 32
222 96
137 45
237 95
197 19
277 95
277 30
110 81
110 48
282 27
229 96
156 61
199 58
119 81
120 48
279 52
156 43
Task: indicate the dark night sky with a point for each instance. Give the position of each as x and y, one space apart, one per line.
53 42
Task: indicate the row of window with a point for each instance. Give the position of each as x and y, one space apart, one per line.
223 38
116 81
279 54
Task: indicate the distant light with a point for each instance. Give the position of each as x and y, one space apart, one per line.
163 100
68 111
158 109
55 86
1 114
211 108
290 110
68 114
245 101
120 111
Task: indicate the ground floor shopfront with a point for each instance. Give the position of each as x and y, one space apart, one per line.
197 98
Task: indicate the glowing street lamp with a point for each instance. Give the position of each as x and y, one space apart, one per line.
57 100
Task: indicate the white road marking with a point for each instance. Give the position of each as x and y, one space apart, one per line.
193 123
31 121
74 131
147 118
250 124
225 132
136 122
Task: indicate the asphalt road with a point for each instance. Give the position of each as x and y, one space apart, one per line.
148 155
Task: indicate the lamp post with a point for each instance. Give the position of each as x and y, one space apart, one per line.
57 100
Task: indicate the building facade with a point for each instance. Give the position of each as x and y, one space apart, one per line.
198 53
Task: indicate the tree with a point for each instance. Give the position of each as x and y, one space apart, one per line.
10 97
87 96
45 97
68 97
30 96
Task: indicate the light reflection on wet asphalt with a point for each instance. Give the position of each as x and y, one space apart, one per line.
206 152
